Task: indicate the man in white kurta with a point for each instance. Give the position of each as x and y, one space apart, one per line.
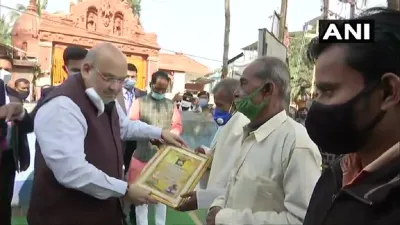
278 165
230 129
223 160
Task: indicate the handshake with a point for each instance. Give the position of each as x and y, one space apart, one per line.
138 195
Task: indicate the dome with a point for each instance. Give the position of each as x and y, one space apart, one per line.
25 32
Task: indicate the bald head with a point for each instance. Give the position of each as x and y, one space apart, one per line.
104 69
108 54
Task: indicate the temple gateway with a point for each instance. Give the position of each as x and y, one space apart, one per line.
38 42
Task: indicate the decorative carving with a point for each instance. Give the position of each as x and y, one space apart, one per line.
87 41
24 46
118 24
106 13
91 19
107 20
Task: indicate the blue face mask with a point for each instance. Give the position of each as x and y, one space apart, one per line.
129 84
203 102
221 117
157 96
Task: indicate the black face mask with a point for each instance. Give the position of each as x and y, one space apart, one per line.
23 94
303 116
333 127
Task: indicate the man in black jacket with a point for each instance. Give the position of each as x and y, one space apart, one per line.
14 148
357 114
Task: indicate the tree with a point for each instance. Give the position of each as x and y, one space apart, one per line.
41 6
136 6
5 29
300 69
226 39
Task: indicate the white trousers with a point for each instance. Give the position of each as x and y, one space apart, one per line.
142 211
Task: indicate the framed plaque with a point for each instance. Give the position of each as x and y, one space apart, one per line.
171 173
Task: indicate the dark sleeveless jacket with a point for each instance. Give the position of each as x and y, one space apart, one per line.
52 203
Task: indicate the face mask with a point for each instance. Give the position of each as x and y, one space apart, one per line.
157 96
203 102
186 104
248 108
221 117
303 116
92 93
129 84
333 128
23 94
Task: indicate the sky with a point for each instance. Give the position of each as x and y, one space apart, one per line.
196 27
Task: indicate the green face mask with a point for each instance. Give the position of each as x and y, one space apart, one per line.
248 108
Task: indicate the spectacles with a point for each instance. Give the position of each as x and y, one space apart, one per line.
109 78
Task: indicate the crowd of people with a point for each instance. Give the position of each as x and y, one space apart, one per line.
96 132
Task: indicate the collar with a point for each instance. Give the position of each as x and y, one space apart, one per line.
268 127
124 91
96 100
351 164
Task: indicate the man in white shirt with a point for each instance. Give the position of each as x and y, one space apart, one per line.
230 128
78 176
275 173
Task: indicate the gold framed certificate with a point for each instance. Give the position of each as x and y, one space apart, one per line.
171 173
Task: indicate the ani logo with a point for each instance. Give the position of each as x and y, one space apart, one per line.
346 31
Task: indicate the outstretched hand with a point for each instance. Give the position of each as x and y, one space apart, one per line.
173 139
12 111
138 195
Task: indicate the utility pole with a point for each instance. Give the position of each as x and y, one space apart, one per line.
282 22
226 39
325 10
352 8
261 48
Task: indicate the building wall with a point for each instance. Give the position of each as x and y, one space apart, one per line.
22 72
179 82
5 64
45 56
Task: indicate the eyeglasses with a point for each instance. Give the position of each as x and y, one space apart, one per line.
109 78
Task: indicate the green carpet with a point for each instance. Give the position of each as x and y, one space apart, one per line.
173 218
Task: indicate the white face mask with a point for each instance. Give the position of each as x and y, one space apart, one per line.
95 97
186 104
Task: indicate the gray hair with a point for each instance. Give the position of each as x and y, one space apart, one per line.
229 85
275 70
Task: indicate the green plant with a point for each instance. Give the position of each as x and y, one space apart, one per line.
41 6
300 70
5 29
